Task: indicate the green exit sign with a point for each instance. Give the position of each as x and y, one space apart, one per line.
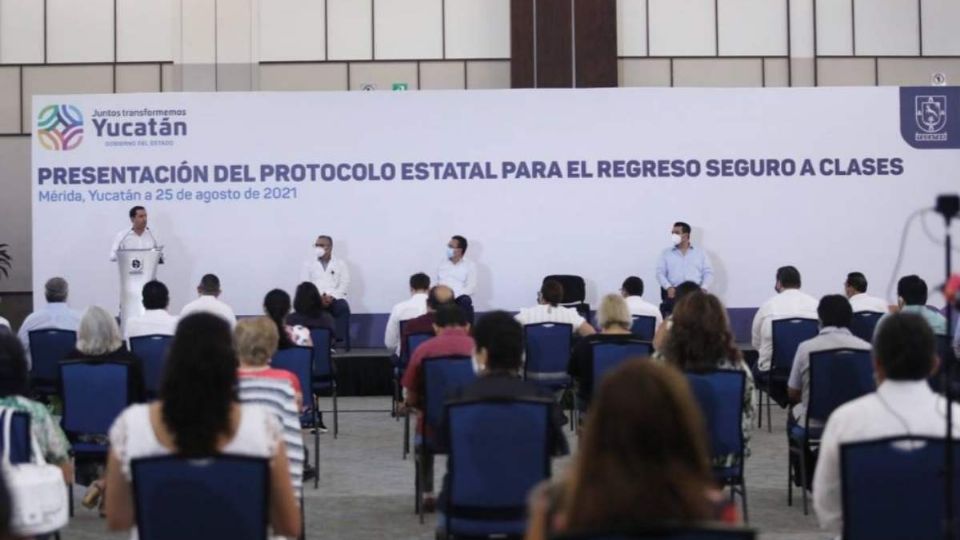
400 87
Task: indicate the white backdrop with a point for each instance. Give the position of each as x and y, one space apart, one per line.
519 229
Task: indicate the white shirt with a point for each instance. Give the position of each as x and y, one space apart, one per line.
830 337
865 302
410 308
461 277
789 303
127 239
332 280
210 304
638 306
6 323
543 313
153 321
896 408
54 315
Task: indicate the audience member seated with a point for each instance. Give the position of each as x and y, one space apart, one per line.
789 302
439 295
663 331
275 389
904 355
856 290
615 321
209 301
452 339
155 319
836 316
14 387
198 415
701 341
410 308
548 310
460 274
276 305
632 291
308 309
499 358
642 459
912 298
98 342
5 326
56 314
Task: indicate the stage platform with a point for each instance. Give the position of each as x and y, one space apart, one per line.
364 372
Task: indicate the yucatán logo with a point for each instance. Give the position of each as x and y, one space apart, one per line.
60 127
930 113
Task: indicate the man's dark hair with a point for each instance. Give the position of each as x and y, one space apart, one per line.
857 281
307 300
13 367
552 292
913 290
134 210
461 242
433 298
327 238
501 336
835 310
209 284
789 277
419 281
684 226
633 286
684 289
155 295
449 315
904 345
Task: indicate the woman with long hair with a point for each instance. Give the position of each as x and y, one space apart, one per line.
198 414
276 305
308 309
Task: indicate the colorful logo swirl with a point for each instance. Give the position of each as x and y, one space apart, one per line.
60 127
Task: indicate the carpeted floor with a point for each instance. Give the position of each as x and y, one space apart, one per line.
366 489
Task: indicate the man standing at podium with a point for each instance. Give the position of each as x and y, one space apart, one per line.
331 275
138 236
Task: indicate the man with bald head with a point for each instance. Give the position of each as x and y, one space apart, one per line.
439 295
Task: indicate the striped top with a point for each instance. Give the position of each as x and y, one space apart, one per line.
544 313
277 396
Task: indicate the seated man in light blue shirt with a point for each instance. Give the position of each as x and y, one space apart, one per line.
56 314
912 298
680 263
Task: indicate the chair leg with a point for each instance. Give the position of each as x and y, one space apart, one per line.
316 441
789 474
743 498
803 476
416 483
769 421
406 434
303 520
760 403
336 415
70 497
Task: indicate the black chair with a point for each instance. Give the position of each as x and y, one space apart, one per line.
787 334
324 375
836 377
48 347
223 496
413 341
498 451
574 293
893 488
299 361
152 350
720 396
644 327
667 532
864 323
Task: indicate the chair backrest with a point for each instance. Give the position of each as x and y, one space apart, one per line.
720 396
322 361
299 361
644 327
669 532
607 356
574 288
152 350
836 377
19 442
546 351
442 376
224 496
893 488
48 347
864 323
93 396
499 450
787 335
413 341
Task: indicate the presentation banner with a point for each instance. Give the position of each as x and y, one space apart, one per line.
541 182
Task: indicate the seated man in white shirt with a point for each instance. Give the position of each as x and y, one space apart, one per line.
138 236
5 325
331 275
209 301
856 289
460 274
410 308
56 314
632 291
155 319
904 355
836 316
549 310
789 302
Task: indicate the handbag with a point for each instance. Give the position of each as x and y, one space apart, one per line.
38 493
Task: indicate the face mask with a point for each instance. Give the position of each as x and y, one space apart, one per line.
449 252
675 239
320 252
